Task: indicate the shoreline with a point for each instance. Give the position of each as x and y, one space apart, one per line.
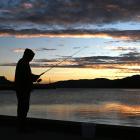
10 89
80 129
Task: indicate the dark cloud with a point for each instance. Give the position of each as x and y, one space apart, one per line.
8 64
44 60
76 47
64 56
68 12
126 35
131 56
44 49
123 48
97 62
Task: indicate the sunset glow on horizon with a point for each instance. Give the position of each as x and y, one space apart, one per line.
108 39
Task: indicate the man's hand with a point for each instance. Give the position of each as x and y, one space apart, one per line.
35 77
39 80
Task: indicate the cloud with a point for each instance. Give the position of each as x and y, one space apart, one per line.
121 48
124 63
69 14
131 57
68 18
76 47
21 50
123 59
98 62
44 49
8 64
44 60
63 56
27 5
18 50
126 35
69 11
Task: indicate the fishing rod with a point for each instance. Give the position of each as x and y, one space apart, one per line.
62 61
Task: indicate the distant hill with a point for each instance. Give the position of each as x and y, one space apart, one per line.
5 84
127 82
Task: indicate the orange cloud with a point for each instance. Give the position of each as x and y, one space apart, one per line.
32 33
98 35
18 50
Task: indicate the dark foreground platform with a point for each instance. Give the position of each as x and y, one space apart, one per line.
41 129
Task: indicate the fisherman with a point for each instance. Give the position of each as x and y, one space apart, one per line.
23 84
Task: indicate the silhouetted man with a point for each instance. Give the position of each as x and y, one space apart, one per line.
23 83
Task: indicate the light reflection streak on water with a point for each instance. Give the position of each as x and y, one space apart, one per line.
107 113
122 109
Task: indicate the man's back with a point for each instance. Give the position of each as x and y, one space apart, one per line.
23 78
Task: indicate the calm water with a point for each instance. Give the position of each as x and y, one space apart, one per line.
106 106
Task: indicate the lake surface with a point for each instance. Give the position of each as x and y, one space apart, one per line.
104 106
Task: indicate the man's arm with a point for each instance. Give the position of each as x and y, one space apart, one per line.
35 77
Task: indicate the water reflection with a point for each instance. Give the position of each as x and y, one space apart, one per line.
108 106
126 110
107 112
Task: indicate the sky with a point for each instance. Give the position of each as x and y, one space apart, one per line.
99 38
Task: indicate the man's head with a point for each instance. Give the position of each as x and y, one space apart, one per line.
28 54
